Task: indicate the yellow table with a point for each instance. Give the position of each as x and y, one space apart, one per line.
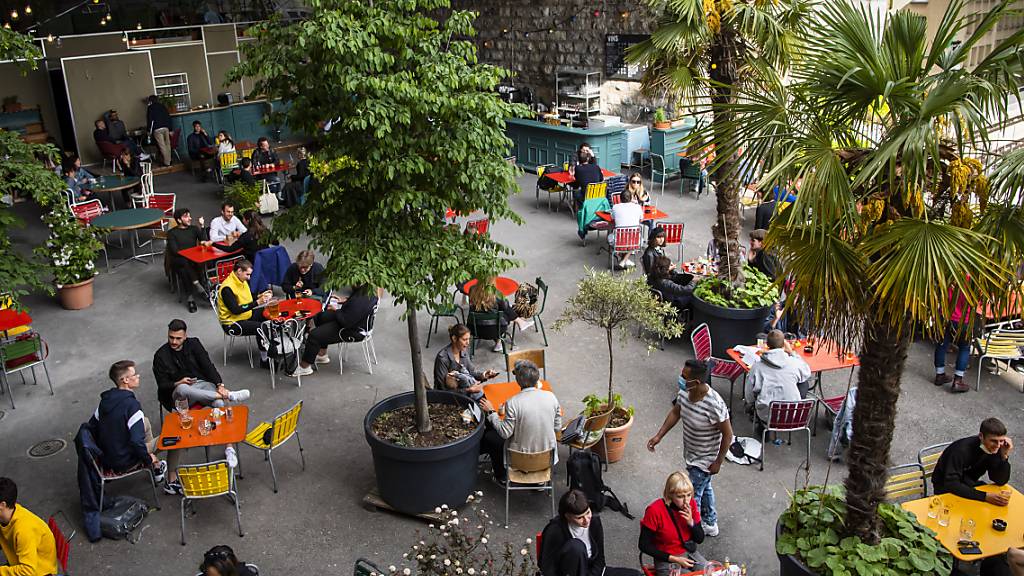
992 543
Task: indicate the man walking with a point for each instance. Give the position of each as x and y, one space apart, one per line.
159 121
707 434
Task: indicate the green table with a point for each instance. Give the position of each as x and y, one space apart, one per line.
129 220
111 184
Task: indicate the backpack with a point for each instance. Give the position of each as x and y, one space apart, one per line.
121 515
584 472
525 303
285 351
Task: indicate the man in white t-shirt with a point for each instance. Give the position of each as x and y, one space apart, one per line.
225 229
625 213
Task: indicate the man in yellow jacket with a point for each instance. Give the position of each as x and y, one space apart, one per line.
25 539
238 312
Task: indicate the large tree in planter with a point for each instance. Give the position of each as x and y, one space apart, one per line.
703 51
416 128
881 121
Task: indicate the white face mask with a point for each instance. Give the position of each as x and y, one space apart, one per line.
985 448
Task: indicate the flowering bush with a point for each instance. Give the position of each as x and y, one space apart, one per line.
462 546
72 246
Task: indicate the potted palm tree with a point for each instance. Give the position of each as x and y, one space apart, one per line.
889 180
611 303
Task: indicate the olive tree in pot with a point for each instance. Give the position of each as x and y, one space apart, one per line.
418 129
614 304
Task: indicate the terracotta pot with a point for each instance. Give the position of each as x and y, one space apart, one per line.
662 125
12 108
616 439
76 296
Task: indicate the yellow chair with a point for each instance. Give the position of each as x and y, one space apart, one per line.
207 481
556 189
999 344
269 435
228 162
928 457
535 355
535 470
5 302
905 481
596 190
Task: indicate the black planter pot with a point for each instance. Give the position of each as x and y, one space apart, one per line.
790 565
416 480
729 326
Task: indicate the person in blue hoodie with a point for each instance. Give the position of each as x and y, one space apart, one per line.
122 431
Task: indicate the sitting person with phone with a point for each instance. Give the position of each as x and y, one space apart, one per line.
304 277
235 306
346 320
670 529
572 543
966 460
454 369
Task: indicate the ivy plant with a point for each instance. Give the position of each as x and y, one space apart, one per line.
756 291
416 127
814 519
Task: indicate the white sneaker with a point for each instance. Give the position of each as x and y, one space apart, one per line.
159 470
300 371
231 456
710 530
238 396
497 347
143 156
325 359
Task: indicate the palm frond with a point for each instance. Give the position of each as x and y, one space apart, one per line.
1008 179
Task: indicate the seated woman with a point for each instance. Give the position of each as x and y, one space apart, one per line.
636 189
184 235
670 529
221 561
255 238
482 298
675 288
572 543
304 277
235 305
454 369
332 325
130 167
655 248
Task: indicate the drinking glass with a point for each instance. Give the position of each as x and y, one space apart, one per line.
229 414
186 420
933 507
181 405
966 529
1006 493
762 340
204 427
944 515
215 415
274 307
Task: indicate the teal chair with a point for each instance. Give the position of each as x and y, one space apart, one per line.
448 310
661 172
538 325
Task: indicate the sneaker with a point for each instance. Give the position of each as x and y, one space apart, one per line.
629 264
959 386
325 359
143 156
238 396
497 347
231 456
710 529
159 469
173 487
942 379
300 371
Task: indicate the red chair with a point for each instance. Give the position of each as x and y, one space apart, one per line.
165 202
616 198
218 273
700 338
86 211
832 407
480 225
63 543
111 152
787 417
175 139
626 241
674 235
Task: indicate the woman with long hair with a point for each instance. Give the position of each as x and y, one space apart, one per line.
635 185
483 298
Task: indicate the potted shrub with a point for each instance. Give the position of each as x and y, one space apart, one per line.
808 540
613 303
71 249
734 313
381 188
661 120
243 196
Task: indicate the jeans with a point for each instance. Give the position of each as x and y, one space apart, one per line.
704 494
202 392
956 334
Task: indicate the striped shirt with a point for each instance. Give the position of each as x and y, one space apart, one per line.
701 436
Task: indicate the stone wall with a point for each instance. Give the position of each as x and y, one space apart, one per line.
534 38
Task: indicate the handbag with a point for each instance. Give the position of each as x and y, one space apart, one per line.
688 545
573 430
268 202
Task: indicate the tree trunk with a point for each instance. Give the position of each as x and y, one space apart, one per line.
611 367
878 389
726 230
419 386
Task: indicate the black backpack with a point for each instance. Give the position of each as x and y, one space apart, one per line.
120 517
584 472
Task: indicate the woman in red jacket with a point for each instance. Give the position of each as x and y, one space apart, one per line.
670 529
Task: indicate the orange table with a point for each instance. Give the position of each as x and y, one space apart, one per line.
989 540
1008 311
506 286
499 392
826 357
650 213
288 308
566 178
225 433
10 319
202 254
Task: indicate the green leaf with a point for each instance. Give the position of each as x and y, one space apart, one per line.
922 562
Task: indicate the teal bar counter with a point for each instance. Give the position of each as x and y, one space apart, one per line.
243 121
535 143
668 143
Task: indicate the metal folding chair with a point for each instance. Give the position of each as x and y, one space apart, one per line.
788 417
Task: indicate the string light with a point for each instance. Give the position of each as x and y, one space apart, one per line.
138 26
625 15
49 38
109 17
14 14
7 25
28 9
103 21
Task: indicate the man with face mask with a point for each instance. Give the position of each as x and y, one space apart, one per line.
707 434
965 461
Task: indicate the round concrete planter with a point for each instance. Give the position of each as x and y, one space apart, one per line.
790 565
729 326
416 480
76 296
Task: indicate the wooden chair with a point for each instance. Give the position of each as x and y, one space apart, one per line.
788 417
593 432
535 355
535 470
905 481
281 429
208 481
928 457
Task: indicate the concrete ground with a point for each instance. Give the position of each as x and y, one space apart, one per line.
316 523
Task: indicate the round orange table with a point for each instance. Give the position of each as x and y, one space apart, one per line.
289 307
506 286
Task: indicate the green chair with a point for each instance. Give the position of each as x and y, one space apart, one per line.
21 354
538 325
484 326
451 310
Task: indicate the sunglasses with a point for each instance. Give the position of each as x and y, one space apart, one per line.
636 181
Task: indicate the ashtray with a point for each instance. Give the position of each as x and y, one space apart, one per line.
304 312
999 525
808 349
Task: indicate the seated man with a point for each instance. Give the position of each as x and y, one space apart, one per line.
572 543
347 321
585 173
122 431
241 173
119 134
626 213
966 460
182 237
25 540
101 134
777 376
201 148
226 229
1009 564
532 420
265 156
235 306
